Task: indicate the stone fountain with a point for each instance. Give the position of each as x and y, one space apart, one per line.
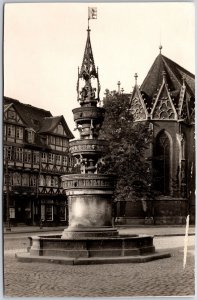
90 237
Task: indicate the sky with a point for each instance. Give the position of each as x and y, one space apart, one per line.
44 45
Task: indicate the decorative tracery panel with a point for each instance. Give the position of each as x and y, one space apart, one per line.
163 109
137 109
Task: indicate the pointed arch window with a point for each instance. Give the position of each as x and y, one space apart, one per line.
162 163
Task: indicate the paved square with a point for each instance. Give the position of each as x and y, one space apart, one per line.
164 277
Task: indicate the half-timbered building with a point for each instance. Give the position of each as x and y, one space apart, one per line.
36 154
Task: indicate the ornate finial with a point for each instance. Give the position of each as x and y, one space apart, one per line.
160 48
118 87
136 76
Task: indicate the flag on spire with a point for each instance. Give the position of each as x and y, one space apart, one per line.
92 13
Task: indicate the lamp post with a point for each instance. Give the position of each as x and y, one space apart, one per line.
7 183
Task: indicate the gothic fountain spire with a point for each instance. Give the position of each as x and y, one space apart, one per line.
88 72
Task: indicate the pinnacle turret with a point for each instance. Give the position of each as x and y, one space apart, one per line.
88 94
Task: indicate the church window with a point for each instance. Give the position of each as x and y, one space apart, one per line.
162 163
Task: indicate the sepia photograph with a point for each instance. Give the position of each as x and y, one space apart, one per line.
98 187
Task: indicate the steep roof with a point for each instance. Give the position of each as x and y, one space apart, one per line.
50 123
31 115
174 78
39 119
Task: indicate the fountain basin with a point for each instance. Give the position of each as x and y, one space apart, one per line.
93 250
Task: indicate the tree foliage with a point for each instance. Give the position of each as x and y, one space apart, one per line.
128 142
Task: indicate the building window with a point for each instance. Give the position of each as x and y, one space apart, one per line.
58 141
27 156
52 181
16 179
36 157
11 130
51 158
58 160
71 161
62 213
44 157
25 179
65 161
4 127
56 181
8 153
30 136
43 212
65 142
41 180
19 133
48 180
52 140
33 180
49 212
19 154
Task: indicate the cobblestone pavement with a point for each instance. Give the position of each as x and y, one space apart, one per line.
165 277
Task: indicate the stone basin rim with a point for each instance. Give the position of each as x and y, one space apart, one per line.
119 237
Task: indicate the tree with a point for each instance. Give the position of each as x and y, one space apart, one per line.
128 142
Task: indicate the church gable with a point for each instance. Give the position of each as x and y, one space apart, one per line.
163 108
137 106
11 115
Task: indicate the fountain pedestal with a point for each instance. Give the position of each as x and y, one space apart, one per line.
90 205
